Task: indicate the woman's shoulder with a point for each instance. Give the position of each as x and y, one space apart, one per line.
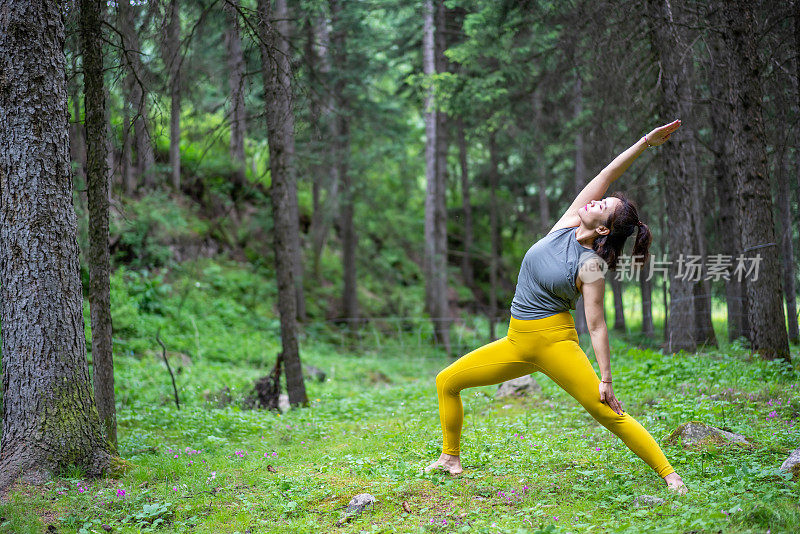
560 229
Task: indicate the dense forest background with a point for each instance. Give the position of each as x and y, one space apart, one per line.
529 99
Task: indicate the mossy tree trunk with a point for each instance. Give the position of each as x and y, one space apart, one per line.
49 415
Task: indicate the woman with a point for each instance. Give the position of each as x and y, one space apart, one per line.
569 261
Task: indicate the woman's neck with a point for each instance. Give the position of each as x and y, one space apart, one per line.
585 236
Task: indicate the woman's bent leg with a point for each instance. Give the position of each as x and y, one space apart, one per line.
565 363
491 364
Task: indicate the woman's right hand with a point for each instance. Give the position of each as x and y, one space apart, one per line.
660 135
607 396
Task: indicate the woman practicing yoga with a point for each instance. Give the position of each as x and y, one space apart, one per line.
569 261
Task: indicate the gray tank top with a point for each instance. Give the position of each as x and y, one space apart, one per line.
546 283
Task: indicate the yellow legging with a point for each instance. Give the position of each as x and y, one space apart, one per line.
549 345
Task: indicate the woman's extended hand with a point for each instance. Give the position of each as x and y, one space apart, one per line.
660 135
607 396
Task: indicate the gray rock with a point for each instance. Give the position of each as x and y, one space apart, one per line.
695 433
647 500
358 503
518 387
792 463
313 373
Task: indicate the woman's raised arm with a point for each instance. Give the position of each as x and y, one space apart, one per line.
597 187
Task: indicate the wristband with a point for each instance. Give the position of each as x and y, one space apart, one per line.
606 381
647 142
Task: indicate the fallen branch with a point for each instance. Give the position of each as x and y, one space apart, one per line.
172 376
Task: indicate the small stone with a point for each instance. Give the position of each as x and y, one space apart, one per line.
406 506
792 463
107 528
647 500
518 387
358 503
697 434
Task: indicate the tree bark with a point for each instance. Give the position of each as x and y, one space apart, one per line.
326 173
174 51
442 141
435 255
342 161
466 262
619 309
97 181
645 285
280 132
764 293
579 181
136 96
494 179
233 46
728 224
49 416
679 160
787 250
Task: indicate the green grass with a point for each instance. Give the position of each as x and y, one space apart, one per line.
535 465
539 463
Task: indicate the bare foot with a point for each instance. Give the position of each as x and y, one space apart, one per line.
446 462
675 483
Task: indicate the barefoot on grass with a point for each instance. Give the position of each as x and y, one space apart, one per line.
446 462
675 484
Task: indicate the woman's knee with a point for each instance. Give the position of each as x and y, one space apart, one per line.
445 383
441 380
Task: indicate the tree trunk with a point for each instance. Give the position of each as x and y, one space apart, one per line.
174 52
134 80
233 46
49 416
280 132
679 160
97 183
326 177
579 180
619 309
493 225
787 251
764 291
442 329
541 169
342 161
128 179
435 256
466 203
645 285
727 222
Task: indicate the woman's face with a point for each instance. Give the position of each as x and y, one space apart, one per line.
595 214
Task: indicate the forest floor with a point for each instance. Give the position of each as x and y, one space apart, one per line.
539 464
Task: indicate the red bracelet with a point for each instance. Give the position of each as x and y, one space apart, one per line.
607 381
647 142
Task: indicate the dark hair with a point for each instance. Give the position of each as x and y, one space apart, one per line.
622 223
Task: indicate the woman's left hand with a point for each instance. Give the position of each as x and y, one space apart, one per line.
660 135
607 396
